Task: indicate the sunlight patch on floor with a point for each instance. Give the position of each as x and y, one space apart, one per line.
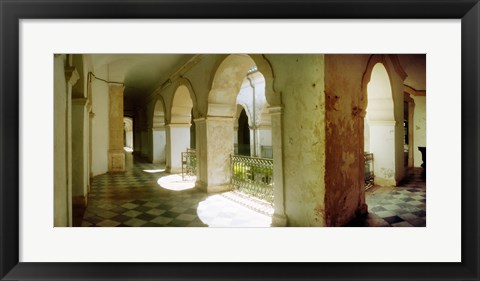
218 211
176 183
154 171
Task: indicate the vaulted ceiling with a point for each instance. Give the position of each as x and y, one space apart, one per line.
143 73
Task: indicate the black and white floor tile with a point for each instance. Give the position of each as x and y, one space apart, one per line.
146 196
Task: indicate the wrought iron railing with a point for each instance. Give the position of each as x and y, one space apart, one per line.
253 176
189 164
369 176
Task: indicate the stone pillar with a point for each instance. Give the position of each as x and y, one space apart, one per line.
91 115
72 77
214 147
79 162
116 154
411 109
178 140
159 144
279 217
382 145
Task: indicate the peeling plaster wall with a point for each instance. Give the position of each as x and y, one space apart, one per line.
419 128
344 165
100 137
299 79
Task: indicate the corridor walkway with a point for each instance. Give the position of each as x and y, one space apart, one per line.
146 196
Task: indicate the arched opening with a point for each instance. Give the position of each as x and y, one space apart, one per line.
128 134
158 133
379 129
178 130
235 104
243 134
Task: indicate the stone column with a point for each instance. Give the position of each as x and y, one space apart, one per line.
91 115
159 143
214 147
411 109
178 140
279 217
382 145
116 155
63 190
79 162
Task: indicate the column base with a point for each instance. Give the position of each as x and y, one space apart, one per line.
79 201
362 210
173 170
385 182
279 220
212 188
116 161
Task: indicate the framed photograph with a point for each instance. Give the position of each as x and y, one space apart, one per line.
117 154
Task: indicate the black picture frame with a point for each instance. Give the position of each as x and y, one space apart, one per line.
12 11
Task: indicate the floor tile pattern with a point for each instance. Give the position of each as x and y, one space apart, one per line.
401 206
135 198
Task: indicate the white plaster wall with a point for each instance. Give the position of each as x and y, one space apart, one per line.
100 129
245 97
159 145
382 142
178 141
419 128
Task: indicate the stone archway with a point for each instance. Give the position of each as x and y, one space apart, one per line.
383 131
158 133
215 132
178 129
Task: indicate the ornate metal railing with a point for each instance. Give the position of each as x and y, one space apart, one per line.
369 176
253 176
189 164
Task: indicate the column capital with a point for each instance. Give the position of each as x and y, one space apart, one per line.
213 118
178 125
158 128
275 109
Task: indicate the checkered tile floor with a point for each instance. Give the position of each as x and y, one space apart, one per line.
404 205
135 198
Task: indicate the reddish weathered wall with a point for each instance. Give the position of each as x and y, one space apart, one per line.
345 110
